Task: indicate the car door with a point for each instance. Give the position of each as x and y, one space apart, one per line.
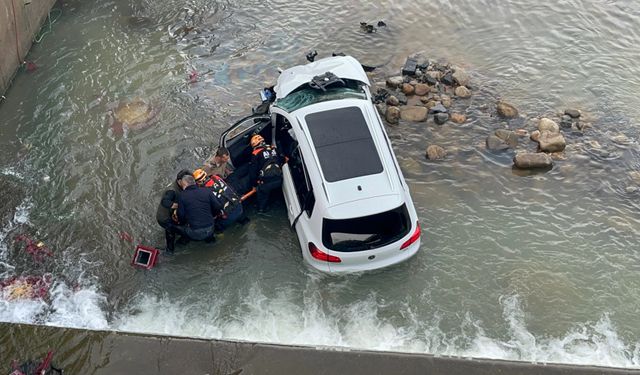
289 192
236 137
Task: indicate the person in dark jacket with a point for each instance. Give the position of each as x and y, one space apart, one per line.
164 217
231 204
197 209
264 170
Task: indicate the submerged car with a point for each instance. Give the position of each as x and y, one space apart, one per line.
345 194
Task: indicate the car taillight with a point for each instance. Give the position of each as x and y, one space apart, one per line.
414 237
320 255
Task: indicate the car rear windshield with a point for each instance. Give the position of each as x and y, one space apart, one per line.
367 232
343 143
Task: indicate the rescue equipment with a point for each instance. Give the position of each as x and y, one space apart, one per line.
144 257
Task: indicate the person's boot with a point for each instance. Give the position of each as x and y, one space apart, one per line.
171 241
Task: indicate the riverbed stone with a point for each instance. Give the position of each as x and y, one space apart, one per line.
461 76
462 92
535 135
458 118
422 89
521 132
506 110
395 82
446 101
408 89
438 108
494 143
635 177
393 100
435 152
509 137
566 121
549 125
573 113
551 142
447 79
440 118
382 108
532 160
393 115
413 113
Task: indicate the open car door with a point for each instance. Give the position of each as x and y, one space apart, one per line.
236 137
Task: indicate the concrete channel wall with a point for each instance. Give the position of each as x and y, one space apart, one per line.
20 21
102 352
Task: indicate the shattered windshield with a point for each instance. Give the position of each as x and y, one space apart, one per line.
306 95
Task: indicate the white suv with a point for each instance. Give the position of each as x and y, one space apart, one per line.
346 196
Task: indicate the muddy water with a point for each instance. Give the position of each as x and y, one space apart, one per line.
540 267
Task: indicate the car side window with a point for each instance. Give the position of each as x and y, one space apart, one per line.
301 182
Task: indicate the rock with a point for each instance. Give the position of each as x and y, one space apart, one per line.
430 103
430 80
410 66
460 76
392 100
458 118
546 124
436 75
495 144
395 82
422 89
566 122
438 108
551 142
535 136
446 101
407 89
530 160
507 110
435 152
509 137
582 126
621 139
402 98
393 115
426 99
447 79
413 114
573 113
462 92
632 189
382 108
521 132
440 118
635 176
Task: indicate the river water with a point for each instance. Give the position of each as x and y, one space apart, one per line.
540 267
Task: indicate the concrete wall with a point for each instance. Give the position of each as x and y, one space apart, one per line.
20 21
101 352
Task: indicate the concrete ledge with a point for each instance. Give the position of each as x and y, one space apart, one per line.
20 21
103 352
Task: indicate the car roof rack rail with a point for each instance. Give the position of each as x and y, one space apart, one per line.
322 81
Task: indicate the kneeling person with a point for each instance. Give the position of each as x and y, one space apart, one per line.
197 208
232 210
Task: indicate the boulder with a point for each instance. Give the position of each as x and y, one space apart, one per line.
435 152
531 160
506 110
573 113
392 100
393 115
509 137
408 89
402 98
462 92
382 108
495 144
551 142
460 76
447 79
422 89
438 108
413 113
546 124
395 82
446 101
440 118
535 135
458 118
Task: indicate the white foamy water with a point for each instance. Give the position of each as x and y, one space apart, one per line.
359 325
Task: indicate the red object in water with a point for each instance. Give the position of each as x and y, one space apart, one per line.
27 287
193 77
125 236
38 250
31 66
144 257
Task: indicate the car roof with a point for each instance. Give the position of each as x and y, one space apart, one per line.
345 67
378 177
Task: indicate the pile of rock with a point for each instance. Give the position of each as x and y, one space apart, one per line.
424 89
